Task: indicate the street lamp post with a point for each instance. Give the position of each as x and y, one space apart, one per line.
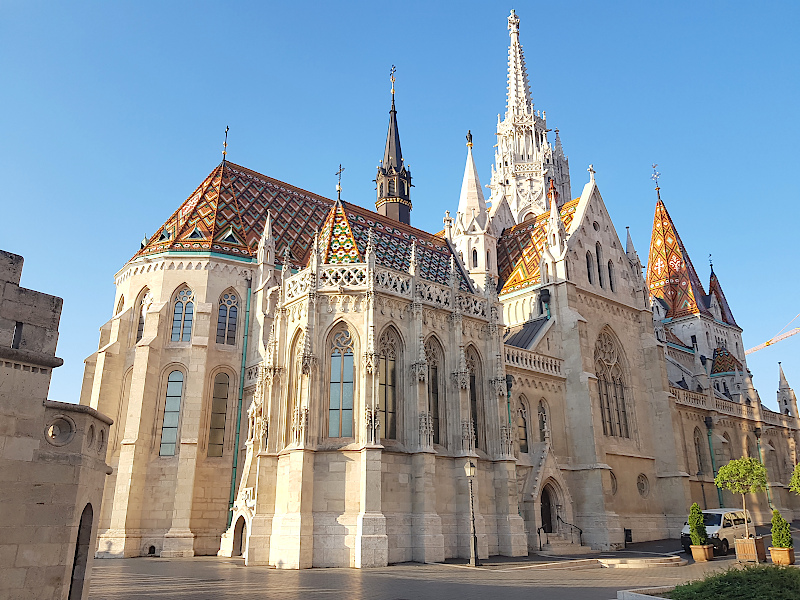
469 469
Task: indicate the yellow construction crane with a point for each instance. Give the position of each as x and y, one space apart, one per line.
782 335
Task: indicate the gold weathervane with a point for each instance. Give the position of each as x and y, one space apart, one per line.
392 71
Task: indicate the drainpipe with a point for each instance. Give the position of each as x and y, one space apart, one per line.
232 496
709 424
757 432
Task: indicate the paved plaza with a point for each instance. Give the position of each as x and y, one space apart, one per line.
223 579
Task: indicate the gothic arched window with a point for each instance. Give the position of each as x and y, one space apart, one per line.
599 253
434 357
219 411
522 427
182 316
227 318
474 258
144 305
387 383
120 305
296 385
750 450
611 385
340 411
172 411
611 283
475 394
542 415
699 453
589 266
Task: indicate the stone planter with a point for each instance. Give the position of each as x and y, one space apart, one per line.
782 556
751 550
702 553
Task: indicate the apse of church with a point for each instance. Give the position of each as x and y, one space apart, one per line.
301 381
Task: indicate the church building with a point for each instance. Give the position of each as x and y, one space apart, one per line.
306 382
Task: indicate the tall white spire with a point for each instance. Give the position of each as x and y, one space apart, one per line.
471 199
519 89
525 161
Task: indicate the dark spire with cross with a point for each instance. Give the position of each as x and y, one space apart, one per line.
394 178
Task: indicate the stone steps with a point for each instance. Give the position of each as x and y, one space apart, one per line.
643 563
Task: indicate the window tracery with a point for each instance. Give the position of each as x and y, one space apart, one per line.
340 406
144 306
182 316
227 319
611 386
433 354
388 345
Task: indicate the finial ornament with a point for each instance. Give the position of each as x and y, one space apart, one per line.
469 138
513 22
392 71
225 145
591 172
339 184
655 177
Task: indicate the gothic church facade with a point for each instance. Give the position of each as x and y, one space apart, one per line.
302 381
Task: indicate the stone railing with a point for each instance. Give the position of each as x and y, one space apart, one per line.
394 282
435 294
345 275
299 284
471 305
533 361
778 419
699 400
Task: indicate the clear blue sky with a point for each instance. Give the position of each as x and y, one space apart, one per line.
112 112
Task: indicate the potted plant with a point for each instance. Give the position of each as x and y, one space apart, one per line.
702 551
794 483
782 549
742 476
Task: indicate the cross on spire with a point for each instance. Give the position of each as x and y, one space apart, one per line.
225 145
339 184
655 177
392 71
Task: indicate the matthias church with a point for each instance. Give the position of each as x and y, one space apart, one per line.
308 382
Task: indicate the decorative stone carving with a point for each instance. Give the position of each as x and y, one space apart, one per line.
507 440
425 430
467 436
373 424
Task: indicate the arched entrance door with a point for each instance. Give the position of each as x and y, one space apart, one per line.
547 509
239 535
81 554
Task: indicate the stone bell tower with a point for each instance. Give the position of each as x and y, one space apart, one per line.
394 178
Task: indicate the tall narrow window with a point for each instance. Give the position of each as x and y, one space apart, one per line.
219 410
542 415
120 305
296 389
16 339
433 354
144 306
172 411
340 414
522 428
387 384
392 187
488 261
611 282
698 451
589 267
611 386
475 395
182 316
599 253
474 258
226 319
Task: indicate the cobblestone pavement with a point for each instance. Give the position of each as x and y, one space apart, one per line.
208 578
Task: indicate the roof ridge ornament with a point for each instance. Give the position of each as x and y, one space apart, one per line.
339 184
655 177
225 145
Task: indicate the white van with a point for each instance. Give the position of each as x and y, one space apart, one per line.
723 525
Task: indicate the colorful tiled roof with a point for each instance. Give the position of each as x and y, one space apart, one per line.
520 247
670 273
393 241
724 362
715 288
226 214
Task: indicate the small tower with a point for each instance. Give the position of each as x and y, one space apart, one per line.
394 179
787 401
472 232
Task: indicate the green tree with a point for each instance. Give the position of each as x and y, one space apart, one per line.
742 476
794 483
697 526
781 531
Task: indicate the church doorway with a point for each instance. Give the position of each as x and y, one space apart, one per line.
81 553
548 502
239 535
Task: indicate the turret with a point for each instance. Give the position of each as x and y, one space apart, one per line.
393 182
787 401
